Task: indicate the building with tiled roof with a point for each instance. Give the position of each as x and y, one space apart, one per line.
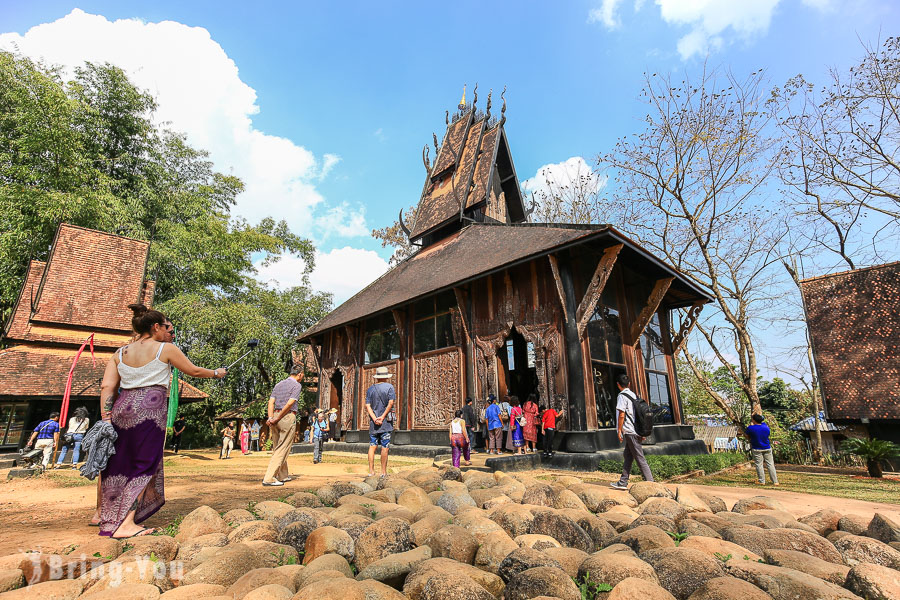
854 325
491 303
84 288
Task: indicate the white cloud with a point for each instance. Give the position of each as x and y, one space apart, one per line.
572 172
342 221
342 271
712 20
606 14
199 91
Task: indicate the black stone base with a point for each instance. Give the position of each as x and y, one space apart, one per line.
403 438
581 461
21 473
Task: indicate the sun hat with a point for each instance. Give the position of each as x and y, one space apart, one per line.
383 373
333 410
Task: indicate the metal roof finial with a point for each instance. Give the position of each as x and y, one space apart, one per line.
462 103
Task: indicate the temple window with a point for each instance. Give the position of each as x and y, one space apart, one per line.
657 372
433 324
382 339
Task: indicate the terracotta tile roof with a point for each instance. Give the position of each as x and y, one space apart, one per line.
27 370
854 324
475 251
91 278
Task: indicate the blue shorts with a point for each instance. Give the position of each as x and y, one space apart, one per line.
382 439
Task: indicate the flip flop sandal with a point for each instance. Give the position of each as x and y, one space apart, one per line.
141 533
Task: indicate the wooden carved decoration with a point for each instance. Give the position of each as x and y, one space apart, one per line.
485 359
347 400
437 388
686 325
595 287
554 266
400 322
643 319
546 341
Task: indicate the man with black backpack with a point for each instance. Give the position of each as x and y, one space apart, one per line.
634 423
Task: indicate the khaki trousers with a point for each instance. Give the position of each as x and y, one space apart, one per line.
282 440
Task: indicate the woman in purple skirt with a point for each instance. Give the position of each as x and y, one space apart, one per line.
135 398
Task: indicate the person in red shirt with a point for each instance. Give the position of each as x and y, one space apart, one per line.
548 423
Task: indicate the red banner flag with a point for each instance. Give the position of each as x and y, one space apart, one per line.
64 411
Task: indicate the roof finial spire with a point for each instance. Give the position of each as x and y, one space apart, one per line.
475 96
462 103
488 115
503 108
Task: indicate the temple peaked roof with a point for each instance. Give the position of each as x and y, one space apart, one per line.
84 287
478 250
472 173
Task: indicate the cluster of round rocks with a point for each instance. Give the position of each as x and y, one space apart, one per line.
440 534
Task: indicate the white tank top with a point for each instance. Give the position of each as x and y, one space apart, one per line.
155 372
456 426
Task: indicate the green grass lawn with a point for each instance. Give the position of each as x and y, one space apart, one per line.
842 486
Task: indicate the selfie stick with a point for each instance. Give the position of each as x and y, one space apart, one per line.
252 344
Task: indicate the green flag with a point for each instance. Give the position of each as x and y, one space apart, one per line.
173 399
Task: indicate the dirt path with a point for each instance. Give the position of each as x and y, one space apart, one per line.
52 512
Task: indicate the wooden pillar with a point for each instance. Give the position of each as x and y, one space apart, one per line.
574 355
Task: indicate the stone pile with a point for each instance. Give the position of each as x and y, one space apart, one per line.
440 534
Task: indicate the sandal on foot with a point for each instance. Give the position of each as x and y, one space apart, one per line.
144 531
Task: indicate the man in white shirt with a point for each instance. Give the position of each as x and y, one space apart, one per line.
625 426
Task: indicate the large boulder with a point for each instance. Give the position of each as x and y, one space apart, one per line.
643 538
200 521
883 529
453 586
258 578
599 530
478 480
874 582
304 500
542 581
716 503
226 566
331 588
824 521
632 588
568 558
194 592
454 500
682 570
690 500
352 524
442 568
393 569
454 542
713 520
381 538
296 526
802 561
237 516
11 579
272 591
759 540
476 523
375 590
617 521
188 550
329 540
64 589
537 541
132 591
164 547
567 499
523 559
414 498
664 507
493 548
642 490
538 494
327 563
253 530
718 549
657 521
563 529
691 527
855 524
424 528
271 510
786 584
858 549
515 519
611 568
729 588
601 498
756 503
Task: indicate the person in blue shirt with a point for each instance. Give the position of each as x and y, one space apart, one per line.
319 433
761 449
494 426
46 435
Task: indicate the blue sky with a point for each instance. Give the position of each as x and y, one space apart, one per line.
323 108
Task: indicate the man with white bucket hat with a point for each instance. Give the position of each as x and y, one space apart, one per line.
379 402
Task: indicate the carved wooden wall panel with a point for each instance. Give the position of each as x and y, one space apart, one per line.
368 379
437 388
